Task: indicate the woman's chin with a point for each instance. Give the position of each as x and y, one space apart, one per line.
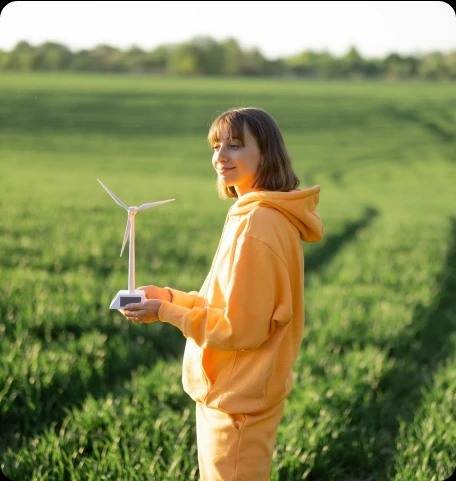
222 181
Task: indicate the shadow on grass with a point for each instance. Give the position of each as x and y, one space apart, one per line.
375 412
332 244
444 133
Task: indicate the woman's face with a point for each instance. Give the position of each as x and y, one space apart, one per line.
237 164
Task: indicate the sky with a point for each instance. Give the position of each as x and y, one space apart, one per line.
277 28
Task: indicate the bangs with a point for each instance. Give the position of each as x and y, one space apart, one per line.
230 122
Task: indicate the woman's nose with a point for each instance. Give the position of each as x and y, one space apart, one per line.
220 156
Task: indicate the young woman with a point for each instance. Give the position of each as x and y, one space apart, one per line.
244 327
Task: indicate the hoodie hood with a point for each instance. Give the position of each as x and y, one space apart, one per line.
299 206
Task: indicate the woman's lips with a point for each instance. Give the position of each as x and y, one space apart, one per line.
224 170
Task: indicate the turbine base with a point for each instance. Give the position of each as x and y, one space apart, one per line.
125 297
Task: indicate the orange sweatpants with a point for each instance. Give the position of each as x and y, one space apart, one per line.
236 447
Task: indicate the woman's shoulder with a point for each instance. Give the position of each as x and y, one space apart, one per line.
269 223
264 213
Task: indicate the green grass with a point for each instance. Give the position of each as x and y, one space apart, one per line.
85 395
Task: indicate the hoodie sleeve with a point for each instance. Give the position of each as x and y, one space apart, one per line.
184 299
258 297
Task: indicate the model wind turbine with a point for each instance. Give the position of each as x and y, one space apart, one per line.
125 297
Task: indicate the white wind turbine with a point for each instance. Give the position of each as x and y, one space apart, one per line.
125 297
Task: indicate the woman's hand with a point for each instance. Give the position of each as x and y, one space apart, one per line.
143 312
147 311
154 292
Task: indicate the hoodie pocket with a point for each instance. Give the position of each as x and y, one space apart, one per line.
195 381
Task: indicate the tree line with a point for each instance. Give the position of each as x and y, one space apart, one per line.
204 56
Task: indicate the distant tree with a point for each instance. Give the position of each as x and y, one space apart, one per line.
84 61
157 59
327 66
400 67
134 59
232 57
303 64
433 66
22 57
209 55
253 63
108 58
182 60
450 62
200 56
53 56
314 64
373 68
275 68
4 57
352 63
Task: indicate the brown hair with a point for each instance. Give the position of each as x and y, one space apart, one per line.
275 171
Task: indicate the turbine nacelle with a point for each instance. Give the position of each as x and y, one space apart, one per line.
131 212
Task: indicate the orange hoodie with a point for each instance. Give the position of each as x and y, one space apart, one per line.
244 327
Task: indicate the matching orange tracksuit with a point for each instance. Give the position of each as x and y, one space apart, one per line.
244 330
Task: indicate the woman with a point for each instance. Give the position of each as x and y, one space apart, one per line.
244 327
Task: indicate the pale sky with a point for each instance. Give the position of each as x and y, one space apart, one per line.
276 28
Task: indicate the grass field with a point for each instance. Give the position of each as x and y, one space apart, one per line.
85 395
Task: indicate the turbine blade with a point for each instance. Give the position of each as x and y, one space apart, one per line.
153 204
114 196
127 233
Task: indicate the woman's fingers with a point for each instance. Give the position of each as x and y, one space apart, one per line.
138 306
143 312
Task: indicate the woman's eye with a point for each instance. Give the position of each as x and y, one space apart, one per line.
234 146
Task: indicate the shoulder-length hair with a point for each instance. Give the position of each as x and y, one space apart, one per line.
275 172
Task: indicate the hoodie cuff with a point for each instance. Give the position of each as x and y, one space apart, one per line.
174 314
